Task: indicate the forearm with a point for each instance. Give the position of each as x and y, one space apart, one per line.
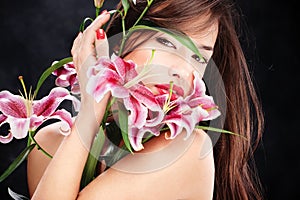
61 179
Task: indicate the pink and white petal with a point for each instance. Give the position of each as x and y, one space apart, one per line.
145 96
47 105
2 119
199 87
4 139
73 79
19 126
174 130
60 71
105 62
12 105
138 112
136 135
35 121
155 130
135 138
94 70
161 99
154 118
62 81
126 69
206 102
66 118
213 114
98 86
177 122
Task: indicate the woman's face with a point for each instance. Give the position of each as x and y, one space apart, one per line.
171 60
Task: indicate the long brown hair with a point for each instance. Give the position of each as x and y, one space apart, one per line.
235 176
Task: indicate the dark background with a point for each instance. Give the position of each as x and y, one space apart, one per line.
35 33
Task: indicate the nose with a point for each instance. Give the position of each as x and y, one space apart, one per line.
181 73
181 70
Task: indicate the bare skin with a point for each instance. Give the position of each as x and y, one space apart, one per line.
59 178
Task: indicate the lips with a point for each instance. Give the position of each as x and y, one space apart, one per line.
164 88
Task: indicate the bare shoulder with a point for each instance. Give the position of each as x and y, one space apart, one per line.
49 138
168 169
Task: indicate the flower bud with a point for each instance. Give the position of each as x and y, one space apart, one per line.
98 3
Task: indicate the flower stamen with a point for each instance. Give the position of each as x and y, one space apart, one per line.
168 106
28 97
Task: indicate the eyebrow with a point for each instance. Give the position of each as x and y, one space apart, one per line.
208 48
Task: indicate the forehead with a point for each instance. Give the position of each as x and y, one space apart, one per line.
206 38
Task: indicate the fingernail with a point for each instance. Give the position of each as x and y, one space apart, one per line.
100 34
103 11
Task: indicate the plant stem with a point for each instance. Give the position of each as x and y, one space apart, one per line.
125 36
143 13
38 146
97 12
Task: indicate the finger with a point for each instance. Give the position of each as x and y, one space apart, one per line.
88 38
99 21
89 33
101 44
76 44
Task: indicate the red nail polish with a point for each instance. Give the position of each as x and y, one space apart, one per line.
100 34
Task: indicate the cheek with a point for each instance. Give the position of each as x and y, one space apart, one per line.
139 57
164 68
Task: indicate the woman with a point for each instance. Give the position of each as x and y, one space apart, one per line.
224 173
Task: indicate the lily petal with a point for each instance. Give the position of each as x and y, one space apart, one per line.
19 126
66 75
146 97
198 89
12 105
4 139
47 105
125 69
106 81
36 121
176 123
138 112
135 139
66 118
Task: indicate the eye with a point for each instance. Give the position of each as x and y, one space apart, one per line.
165 42
200 60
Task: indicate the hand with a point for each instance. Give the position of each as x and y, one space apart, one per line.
87 46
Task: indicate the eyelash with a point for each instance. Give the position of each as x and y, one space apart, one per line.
167 43
197 58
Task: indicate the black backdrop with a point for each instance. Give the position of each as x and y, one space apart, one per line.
35 33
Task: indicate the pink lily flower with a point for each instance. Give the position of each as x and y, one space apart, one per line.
26 114
180 113
67 76
121 79
189 111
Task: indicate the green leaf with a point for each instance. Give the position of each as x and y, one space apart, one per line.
180 37
126 6
16 162
208 128
123 122
90 166
49 71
